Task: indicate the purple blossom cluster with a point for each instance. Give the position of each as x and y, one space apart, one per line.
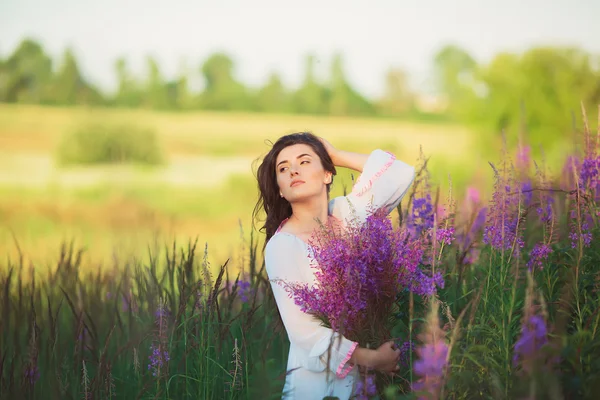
538 255
581 228
502 231
432 360
432 357
473 221
445 235
583 175
32 374
158 359
588 173
533 337
423 284
527 192
544 211
359 273
365 388
421 218
159 355
582 178
245 290
406 350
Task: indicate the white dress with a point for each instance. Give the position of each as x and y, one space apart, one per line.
314 371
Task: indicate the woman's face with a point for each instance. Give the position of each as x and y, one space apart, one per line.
300 174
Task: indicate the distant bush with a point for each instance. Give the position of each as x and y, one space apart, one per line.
100 143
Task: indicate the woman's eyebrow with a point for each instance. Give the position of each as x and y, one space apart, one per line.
300 156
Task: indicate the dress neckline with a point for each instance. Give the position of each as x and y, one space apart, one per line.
278 231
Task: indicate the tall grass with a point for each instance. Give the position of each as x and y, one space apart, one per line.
519 313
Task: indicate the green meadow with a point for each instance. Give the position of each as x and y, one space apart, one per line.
204 188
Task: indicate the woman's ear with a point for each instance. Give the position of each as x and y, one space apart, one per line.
328 178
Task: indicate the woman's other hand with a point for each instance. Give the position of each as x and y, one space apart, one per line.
386 358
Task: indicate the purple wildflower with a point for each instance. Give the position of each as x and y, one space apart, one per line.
421 216
365 388
161 313
586 237
432 361
586 222
533 337
424 285
470 230
32 374
527 193
245 290
159 356
83 333
544 209
445 235
158 359
503 230
588 174
538 255
545 213
405 352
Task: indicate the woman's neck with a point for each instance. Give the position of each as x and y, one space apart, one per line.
305 219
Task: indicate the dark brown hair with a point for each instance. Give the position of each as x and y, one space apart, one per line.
276 207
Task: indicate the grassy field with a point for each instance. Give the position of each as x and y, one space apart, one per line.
205 190
516 317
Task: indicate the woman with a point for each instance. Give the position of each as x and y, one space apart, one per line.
294 179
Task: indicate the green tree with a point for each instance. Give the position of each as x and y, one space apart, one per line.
273 97
155 93
28 74
538 90
4 80
222 91
178 91
398 98
343 98
310 98
339 100
129 93
455 72
70 87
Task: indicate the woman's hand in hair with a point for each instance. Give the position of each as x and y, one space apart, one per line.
332 151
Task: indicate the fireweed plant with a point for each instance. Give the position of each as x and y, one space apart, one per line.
495 296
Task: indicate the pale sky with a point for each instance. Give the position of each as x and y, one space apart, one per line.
271 35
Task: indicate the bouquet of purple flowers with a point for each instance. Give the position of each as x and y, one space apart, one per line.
359 273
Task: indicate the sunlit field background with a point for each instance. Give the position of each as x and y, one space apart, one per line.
205 188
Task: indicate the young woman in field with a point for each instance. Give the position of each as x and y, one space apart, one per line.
294 180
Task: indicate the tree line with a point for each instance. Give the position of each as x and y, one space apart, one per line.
28 75
538 89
